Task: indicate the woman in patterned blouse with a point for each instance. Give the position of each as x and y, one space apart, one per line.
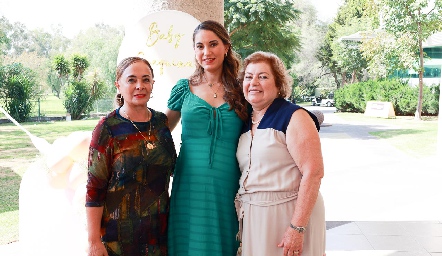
131 158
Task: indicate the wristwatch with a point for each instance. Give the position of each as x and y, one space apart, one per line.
299 229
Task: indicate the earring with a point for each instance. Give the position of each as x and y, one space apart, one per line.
226 54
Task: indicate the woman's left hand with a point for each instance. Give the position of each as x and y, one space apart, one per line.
292 242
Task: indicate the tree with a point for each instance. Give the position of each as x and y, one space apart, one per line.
418 19
40 42
386 54
265 25
18 36
325 54
79 64
104 40
18 87
81 95
3 42
345 59
306 71
62 68
32 48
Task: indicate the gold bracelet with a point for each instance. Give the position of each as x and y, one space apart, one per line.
298 228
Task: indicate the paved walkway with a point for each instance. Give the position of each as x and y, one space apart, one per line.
379 201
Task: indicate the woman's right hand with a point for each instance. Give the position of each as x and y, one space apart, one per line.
97 249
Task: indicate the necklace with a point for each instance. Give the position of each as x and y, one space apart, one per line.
147 141
211 85
257 122
259 112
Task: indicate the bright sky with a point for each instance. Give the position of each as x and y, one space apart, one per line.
72 15
327 9
82 14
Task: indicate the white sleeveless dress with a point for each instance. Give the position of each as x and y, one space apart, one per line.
269 186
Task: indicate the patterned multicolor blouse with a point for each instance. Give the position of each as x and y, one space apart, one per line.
129 177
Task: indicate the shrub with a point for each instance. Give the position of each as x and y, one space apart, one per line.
81 95
354 97
76 98
18 88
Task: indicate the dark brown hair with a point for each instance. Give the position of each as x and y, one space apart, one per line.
121 67
283 80
231 64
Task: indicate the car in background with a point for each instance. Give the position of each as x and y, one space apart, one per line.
316 101
327 102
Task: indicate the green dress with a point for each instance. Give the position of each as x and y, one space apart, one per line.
202 217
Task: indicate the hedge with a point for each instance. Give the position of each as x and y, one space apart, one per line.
354 97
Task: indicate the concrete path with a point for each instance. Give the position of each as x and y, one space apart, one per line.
379 201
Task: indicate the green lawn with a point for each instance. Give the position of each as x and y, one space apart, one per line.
51 106
416 138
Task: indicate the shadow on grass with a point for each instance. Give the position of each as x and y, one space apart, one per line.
393 133
9 189
370 131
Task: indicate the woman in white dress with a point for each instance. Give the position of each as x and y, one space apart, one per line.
280 209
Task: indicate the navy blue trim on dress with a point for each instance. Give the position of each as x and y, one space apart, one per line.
278 116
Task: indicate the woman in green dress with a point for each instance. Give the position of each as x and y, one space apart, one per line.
212 109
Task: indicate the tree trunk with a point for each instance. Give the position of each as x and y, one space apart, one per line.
418 113
353 77
335 77
344 78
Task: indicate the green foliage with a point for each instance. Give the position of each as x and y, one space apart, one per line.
104 40
344 60
354 97
264 25
80 96
417 20
76 98
18 87
307 72
431 100
79 64
3 42
55 82
61 66
18 37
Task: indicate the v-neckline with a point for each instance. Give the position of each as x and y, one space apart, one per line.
203 100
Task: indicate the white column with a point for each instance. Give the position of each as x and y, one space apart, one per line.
200 9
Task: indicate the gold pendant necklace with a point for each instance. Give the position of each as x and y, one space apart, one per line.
147 141
211 85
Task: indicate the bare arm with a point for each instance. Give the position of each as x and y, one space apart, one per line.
304 146
173 118
93 216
